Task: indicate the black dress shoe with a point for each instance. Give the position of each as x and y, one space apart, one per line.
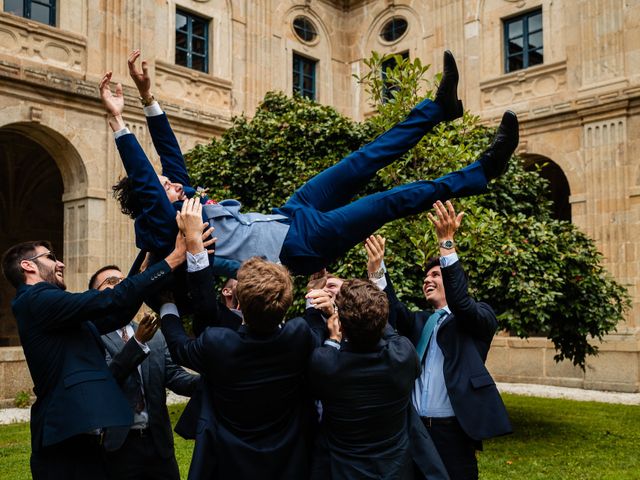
447 96
495 159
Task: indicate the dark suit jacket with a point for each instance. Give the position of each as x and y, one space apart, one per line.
155 226
464 338
257 427
75 391
366 401
159 372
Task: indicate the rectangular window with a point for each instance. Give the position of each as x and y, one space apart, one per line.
523 41
43 11
192 45
390 63
304 76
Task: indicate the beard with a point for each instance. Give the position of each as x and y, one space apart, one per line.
49 275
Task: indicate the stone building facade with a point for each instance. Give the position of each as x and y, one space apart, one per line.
575 87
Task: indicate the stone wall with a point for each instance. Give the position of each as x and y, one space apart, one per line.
580 109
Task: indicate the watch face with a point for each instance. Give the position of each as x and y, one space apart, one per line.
447 244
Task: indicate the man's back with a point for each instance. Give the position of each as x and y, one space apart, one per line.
256 385
365 399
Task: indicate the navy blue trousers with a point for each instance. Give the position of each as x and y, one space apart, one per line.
325 223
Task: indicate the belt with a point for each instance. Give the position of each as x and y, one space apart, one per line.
429 421
138 432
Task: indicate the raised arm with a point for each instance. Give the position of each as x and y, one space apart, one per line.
477 318
127 359
164 140
156 211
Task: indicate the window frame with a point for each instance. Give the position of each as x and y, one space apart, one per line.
190 37
299 89
524 19
26 10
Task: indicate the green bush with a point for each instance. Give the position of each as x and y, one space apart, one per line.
22 399
541 275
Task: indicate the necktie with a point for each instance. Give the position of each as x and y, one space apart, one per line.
427 331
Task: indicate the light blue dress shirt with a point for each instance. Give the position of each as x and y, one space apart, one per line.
430 396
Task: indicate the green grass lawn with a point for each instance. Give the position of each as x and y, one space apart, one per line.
553 439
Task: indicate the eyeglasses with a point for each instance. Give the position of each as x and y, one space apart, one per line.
50 255
111 281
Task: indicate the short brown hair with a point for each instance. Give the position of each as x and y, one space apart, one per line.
265 293
363 310
13 256
319 280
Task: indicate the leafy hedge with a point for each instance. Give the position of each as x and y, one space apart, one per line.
541 275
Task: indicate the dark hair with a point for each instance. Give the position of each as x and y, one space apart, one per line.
363 310
126 195
13 256
430 263
92 280
265 293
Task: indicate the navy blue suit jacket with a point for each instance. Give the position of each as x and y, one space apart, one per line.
464 338
155 226
60 335
367 430
258 424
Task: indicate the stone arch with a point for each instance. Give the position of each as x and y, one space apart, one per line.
415 31
31 198
560 191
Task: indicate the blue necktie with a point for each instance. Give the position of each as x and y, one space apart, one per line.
427 331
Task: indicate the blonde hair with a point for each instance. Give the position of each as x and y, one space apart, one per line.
265 293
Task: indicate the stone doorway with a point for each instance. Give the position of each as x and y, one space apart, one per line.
31 208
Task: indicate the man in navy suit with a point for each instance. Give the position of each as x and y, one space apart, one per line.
148 452
365 384
455 395
78 403
319 222
258 410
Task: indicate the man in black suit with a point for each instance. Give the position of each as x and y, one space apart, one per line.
254 377
455 395
365 384
78 404
148 452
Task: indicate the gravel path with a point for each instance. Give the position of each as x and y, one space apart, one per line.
12 415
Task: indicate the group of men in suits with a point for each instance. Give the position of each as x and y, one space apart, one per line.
359 388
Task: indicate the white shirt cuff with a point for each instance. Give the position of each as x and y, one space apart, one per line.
197 262
168 309
381 283
332 343
448 260
143 346
152 110
121 132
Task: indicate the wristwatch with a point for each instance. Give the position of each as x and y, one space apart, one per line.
145 102
377 275
447 244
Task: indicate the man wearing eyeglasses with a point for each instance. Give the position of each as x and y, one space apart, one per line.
140 352
79 409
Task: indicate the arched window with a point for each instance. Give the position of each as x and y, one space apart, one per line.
305 29
394 29
558 185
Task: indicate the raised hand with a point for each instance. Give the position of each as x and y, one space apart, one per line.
374 245
147 327
445 220
113 103
140 78
333 325
322 300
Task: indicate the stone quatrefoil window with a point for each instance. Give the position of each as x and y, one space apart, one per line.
43 11
305 29
523 46
394 29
